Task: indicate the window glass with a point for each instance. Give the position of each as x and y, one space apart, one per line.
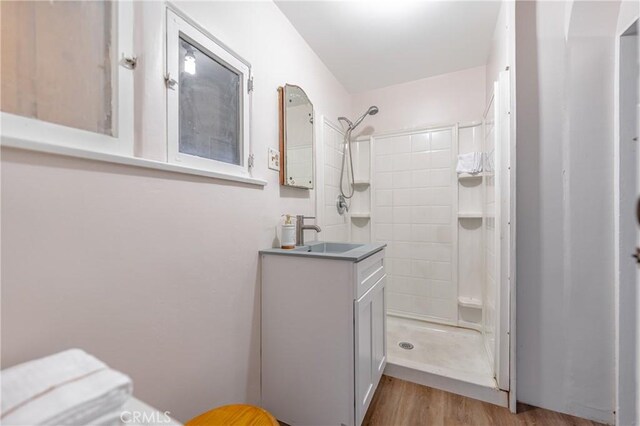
57 63
210 107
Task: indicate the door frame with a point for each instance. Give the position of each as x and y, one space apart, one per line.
504 217
512 74
627 408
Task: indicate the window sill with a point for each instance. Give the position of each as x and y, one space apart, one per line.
128 161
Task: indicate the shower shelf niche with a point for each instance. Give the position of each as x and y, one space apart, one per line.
469 176
360 218
470 215
361 215
469 302
361 184
471 206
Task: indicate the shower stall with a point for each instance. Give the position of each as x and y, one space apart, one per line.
449 241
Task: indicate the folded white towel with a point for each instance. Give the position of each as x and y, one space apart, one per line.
68 388
22 382
470 163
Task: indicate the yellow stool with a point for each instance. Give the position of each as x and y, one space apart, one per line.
234 415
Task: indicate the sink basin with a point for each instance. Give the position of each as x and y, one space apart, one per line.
328 247
326 250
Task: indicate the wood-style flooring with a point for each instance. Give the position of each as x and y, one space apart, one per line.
400 403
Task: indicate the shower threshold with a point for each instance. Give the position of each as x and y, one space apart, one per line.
444 357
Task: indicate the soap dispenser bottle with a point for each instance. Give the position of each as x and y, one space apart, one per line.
288 233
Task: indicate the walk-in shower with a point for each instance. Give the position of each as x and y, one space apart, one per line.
444 224
347 151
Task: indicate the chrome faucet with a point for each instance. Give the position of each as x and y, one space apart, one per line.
300 227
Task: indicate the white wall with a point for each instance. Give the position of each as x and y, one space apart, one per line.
498 58
444 99
157 273
627 15
565 315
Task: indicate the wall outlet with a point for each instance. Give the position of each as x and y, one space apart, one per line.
274 159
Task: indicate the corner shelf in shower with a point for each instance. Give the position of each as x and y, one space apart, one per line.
361 184
468 176
361 215
470 302
470 215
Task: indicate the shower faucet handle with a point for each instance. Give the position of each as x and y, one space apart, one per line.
342 205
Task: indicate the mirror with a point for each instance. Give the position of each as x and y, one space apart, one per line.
296 137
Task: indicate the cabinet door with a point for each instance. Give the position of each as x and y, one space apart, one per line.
379 318
370 347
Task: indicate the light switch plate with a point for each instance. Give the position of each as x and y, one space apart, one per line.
274 159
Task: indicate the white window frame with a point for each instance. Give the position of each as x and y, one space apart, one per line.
179 24
32 133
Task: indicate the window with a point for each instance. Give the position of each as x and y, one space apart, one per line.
62 79
207 101
67 87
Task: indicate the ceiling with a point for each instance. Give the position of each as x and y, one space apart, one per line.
373 44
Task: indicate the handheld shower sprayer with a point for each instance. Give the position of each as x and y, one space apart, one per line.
341 204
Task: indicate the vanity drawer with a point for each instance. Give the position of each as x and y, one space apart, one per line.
368 272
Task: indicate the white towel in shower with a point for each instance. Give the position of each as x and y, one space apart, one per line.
469 163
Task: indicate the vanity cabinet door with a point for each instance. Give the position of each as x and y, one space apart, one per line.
370 348
379 318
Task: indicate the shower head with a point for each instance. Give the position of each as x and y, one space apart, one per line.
373 110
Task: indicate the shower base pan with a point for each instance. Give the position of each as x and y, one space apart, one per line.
449 358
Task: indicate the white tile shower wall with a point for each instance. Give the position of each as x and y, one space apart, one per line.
334 226
412 213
